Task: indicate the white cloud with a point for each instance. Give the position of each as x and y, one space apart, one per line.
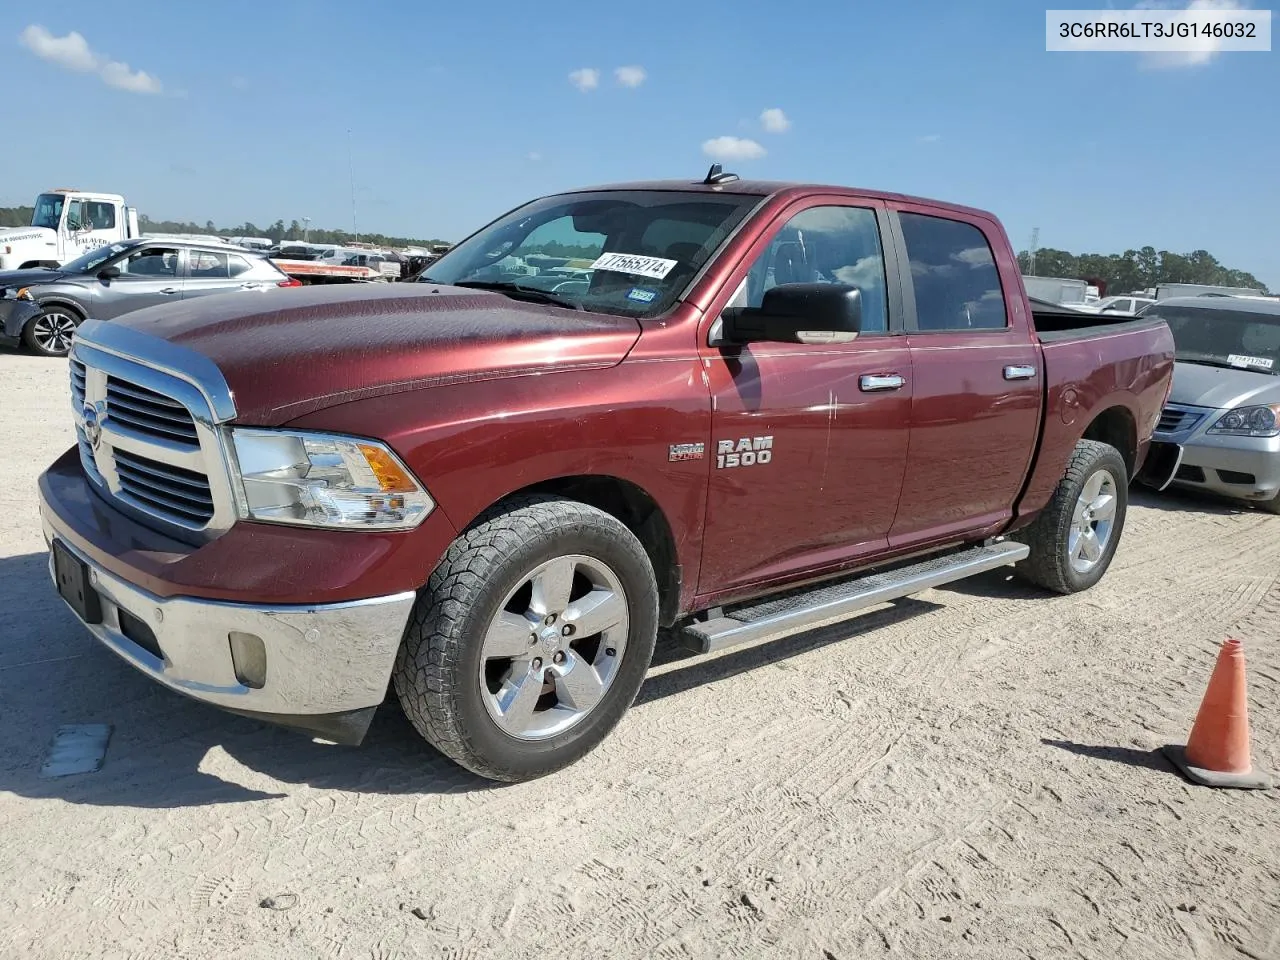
630 76
73 52
239 83
119 75
533 156
774 121
732 148
930 138
585 79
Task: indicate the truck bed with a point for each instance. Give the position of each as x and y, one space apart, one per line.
1054 322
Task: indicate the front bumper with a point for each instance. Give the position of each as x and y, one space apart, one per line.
1247 468
14 315
321 668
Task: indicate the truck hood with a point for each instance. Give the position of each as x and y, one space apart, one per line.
1198 385
287 353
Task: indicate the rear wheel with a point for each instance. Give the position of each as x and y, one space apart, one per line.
49 333
1075 537
530 640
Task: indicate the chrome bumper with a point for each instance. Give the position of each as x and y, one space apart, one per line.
325 670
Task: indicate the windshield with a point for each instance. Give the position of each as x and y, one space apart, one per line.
94 259
625 252
1223 337
48 211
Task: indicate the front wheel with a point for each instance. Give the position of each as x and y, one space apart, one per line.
1074 538
530 640
49 333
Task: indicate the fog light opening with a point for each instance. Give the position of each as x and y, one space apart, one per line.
249 659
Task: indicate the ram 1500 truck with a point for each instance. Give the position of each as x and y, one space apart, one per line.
765 407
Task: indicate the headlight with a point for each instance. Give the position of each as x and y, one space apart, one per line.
1261 421
325 480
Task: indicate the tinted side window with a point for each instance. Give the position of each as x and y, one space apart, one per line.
954 275
150 262
206 265
237 265
827 245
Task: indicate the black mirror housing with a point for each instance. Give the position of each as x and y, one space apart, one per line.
799 313
108 273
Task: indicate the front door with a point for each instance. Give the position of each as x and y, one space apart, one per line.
148 275
975 411
809 442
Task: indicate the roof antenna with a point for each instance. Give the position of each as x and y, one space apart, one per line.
716 175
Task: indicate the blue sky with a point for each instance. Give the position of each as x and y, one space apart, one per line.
236 111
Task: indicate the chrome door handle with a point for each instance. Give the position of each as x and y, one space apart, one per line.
169 290
873 382
1019 372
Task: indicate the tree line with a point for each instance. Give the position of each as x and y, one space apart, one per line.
276 232
1137 269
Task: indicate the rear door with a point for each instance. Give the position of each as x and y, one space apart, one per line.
809 442
975 409
216 271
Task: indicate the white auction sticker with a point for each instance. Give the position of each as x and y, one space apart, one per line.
1240 360
633 263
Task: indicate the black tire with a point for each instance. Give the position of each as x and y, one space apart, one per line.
438 670
1050 536
47 334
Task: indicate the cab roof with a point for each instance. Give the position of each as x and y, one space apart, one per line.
783 189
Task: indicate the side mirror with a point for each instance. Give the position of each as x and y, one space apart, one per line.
799 313
108 273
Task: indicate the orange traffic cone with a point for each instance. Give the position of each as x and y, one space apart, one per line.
1217 752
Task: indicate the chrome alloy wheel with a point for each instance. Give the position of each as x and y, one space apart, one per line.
53 330
554 647
1092 522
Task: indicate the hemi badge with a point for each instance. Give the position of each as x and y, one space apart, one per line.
686 451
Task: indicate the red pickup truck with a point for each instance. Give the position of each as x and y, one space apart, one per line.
727 408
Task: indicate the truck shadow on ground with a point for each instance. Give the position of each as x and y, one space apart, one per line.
167 751
1181 500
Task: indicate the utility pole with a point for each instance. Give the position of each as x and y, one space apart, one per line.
352 169
1035 242
306 228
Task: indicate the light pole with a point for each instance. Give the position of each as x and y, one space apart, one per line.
306 228
351 169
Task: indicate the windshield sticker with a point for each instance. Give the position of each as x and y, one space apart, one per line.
635 264
641 295
1240 360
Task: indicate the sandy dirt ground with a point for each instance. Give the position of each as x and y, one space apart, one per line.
972 773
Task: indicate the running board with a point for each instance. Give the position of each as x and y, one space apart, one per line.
798 612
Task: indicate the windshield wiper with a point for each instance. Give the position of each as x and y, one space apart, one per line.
518 292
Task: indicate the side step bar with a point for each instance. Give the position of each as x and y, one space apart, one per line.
796 613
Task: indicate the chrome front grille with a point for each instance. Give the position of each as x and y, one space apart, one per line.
147 434
150 413
182 496
77 383
1178 419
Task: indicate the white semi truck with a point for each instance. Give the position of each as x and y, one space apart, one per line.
64 225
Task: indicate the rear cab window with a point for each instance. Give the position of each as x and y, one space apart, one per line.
953 275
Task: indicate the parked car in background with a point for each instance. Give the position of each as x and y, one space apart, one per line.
1222 421
42 307
1126 305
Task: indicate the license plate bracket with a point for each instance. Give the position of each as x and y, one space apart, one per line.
72 577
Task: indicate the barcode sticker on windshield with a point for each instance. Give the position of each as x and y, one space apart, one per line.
1240 360
635 264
